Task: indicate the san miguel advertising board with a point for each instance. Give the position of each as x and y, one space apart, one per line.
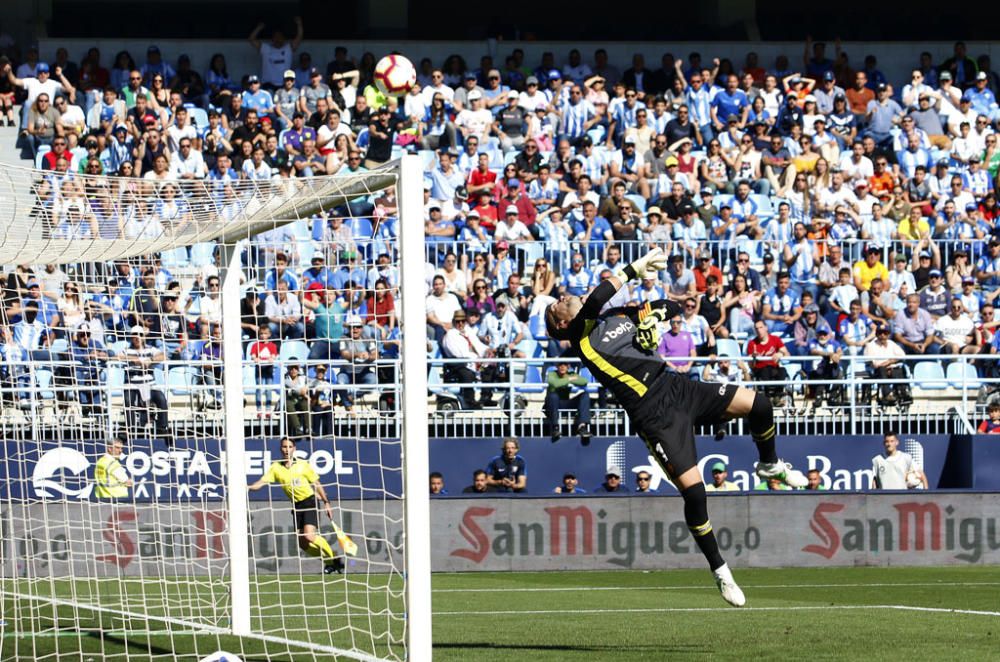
527 534
805 529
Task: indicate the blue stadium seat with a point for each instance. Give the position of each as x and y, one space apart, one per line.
180 380
764 210
43 378
202 253
199 116
727 347
42 151
175 257
427 158
961 374
116 380
293 350
638 202
533 380
926 371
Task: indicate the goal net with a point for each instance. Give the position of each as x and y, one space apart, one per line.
202 387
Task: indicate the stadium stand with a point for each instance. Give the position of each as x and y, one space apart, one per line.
790 194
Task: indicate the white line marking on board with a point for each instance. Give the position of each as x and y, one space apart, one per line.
565 589
657 610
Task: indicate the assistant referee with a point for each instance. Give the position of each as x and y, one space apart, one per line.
111 481
301 483
618 346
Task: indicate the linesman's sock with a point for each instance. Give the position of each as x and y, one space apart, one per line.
320 547
696 516
762 428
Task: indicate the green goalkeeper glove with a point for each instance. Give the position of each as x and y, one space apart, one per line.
647 265
648 332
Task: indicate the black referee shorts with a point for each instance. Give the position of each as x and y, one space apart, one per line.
305 512
665 419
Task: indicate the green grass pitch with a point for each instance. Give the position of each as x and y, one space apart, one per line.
816 614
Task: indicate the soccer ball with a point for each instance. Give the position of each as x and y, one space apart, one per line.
913 480
395 75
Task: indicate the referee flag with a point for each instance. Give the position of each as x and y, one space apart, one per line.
346 543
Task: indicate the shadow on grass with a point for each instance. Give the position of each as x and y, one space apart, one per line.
151 650
593 648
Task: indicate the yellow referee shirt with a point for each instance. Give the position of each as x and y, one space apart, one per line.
110 478
296 481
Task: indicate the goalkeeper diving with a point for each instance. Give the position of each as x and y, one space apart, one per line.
618 345
301 483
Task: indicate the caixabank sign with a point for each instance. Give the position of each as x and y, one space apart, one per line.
771 530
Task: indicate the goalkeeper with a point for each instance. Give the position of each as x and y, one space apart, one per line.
619 347
300 482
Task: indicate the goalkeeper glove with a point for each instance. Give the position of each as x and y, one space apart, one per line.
648 332
647 265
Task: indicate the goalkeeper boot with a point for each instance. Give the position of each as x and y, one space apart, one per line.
334 565
782 471
730 591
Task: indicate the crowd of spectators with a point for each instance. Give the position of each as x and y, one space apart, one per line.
822 203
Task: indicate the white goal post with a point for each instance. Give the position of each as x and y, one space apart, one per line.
166 545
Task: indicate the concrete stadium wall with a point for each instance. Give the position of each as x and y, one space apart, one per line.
895 58
526 534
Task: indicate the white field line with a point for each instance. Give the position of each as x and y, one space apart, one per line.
660 610
708 585
205 629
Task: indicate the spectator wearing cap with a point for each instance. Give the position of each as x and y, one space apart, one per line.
381 137
254 98
286 99
612 482
927 119
977 180
869 268
886 363
826 92
494 92
469 83
719 479
935 297
882 114
296 136
511 229
143 400
533 97
475 120
806 328
560 386
511 124
981 97
690 233
971 298
570 484
361 354
826 366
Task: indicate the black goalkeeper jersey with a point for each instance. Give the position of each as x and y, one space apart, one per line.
607 345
